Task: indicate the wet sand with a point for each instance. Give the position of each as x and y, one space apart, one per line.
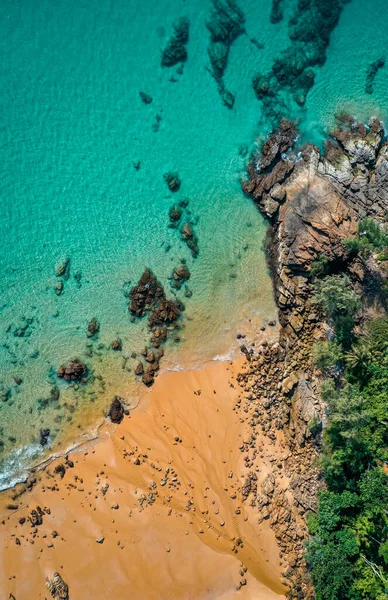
171 524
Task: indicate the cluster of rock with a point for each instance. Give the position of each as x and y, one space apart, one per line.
175 51
148 298
75 370
226 24
310 28
313 202
179 219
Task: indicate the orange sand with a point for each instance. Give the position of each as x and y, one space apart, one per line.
159 550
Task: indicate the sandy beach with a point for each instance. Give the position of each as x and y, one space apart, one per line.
153 509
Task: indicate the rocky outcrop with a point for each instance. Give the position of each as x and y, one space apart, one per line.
116 410
226 24
313 201
148 297
58 589
73 371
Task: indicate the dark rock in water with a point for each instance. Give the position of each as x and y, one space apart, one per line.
159 336
373 69
73 371
167 312
18 380
139 370
218 53
44 435
146 294
150 357
148 379
180 274
116 410
309 30
175 50
256 43
54 394
63 268
148 297
190 238
145 98
228 98
5 395
117 344
225 24
173 181
175 214
93 327
59 288
277 11
78 276
58 589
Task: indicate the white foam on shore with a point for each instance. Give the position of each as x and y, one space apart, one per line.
16 468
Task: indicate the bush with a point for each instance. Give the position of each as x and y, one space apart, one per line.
327 355
339 304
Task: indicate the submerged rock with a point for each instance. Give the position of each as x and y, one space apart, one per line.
145 98
117 344
173 181
373 69
93 327
73 371
190 238
63 268
175 214
175 51
180 275
116 410
44 435
225 24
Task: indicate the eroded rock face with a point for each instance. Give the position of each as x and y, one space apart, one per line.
314 201
73 371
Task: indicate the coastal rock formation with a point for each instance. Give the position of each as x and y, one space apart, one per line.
175 51
148 297
310 28
73 371
116 410
179 276
313 201
226 24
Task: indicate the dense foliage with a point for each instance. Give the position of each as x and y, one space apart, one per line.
348 552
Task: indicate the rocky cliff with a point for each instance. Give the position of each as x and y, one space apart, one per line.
313 201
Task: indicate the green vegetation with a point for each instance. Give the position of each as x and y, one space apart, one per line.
339 302
348 552
370 238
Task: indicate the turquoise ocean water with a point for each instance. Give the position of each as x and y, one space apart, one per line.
72 128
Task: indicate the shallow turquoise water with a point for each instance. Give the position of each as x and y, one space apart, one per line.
73 125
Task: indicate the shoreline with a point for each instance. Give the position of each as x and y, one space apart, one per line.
215 536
